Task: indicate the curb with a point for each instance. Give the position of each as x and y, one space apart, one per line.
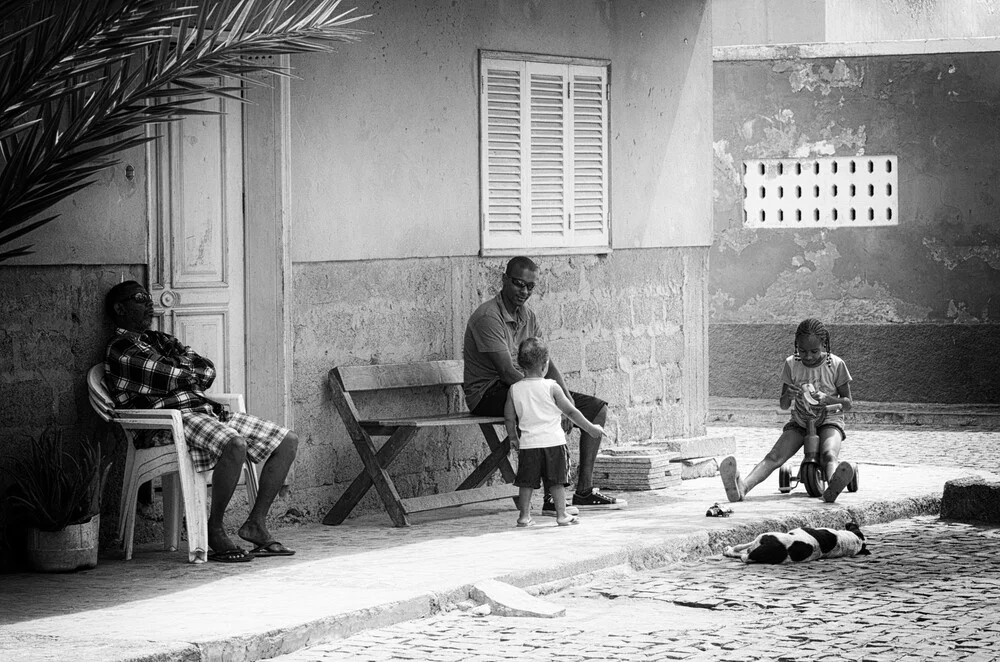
656 554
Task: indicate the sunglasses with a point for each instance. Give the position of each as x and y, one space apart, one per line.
138 297
521 283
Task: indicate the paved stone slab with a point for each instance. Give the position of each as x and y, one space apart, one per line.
507 600
688 447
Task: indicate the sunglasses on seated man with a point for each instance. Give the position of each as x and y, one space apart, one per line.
521 283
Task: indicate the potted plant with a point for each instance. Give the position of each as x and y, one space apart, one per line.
56 493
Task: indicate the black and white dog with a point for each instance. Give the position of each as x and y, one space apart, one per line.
799 545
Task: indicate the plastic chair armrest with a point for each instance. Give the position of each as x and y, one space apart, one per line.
232 401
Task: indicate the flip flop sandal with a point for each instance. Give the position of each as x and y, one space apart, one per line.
730 478
841 478
234 555
271 548
525 525
570 521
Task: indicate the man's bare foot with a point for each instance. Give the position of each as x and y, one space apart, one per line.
254 533
218 541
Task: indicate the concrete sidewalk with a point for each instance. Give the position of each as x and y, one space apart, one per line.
366 573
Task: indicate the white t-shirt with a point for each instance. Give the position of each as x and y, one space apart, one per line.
538 416
825 377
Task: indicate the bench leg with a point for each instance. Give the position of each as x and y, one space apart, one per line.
360 486
497 459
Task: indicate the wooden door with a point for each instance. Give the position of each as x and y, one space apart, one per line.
196 238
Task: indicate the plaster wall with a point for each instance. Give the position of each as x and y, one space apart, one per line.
758 22
630 328
900 297
105 223
385 140
739 22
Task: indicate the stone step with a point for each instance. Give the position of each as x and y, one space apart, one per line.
753 412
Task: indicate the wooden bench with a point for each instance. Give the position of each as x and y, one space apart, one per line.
346 380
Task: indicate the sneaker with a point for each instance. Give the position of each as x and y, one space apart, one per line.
598 500
549 507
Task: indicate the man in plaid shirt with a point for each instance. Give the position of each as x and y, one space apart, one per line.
152 370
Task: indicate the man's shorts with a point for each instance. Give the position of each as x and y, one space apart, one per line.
839 427
207 436
538 466
495 400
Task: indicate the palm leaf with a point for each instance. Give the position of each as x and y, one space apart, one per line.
80 81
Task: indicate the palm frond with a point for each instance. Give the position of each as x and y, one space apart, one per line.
80 81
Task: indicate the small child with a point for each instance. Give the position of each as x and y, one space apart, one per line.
812 363
533 416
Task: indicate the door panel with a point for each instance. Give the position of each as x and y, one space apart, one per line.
196 212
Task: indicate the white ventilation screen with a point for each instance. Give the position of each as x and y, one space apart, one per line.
832 192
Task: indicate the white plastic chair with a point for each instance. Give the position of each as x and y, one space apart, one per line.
172 462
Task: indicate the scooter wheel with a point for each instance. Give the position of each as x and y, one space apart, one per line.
812 476
853 485
784 479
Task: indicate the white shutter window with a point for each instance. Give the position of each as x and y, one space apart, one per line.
589 220
543 155
549 151
503 147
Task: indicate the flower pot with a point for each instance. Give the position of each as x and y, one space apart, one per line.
73 548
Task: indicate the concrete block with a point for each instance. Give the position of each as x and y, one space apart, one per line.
699 467
695 447
971 498
506 600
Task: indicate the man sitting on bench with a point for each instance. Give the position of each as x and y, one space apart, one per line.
493 334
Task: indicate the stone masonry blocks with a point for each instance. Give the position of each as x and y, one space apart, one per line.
971 498
635 468
601 355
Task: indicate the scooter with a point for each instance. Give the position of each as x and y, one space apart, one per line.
811 470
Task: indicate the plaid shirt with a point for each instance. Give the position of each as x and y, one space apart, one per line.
153 370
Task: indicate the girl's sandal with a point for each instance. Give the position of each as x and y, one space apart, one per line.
569 521
525 524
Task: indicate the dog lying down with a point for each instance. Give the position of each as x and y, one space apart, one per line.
799 545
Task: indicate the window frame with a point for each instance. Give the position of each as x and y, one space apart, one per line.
590 236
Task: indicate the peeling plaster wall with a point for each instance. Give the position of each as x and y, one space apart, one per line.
918 287
630 328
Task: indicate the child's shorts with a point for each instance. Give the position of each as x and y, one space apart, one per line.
537 466
836 425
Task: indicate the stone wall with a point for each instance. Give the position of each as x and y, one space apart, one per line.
629 327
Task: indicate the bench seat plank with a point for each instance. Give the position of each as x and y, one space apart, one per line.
434 420
459 498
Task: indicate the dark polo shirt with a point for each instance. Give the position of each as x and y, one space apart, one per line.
492 329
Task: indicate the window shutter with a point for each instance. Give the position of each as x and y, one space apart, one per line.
502 151
543 155
590 160
549 154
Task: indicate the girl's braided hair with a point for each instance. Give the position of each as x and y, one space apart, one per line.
813 327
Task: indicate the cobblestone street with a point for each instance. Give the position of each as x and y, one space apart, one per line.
930 590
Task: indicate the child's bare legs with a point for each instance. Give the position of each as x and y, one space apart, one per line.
788 444
524 505
829 450
558 493
838 474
